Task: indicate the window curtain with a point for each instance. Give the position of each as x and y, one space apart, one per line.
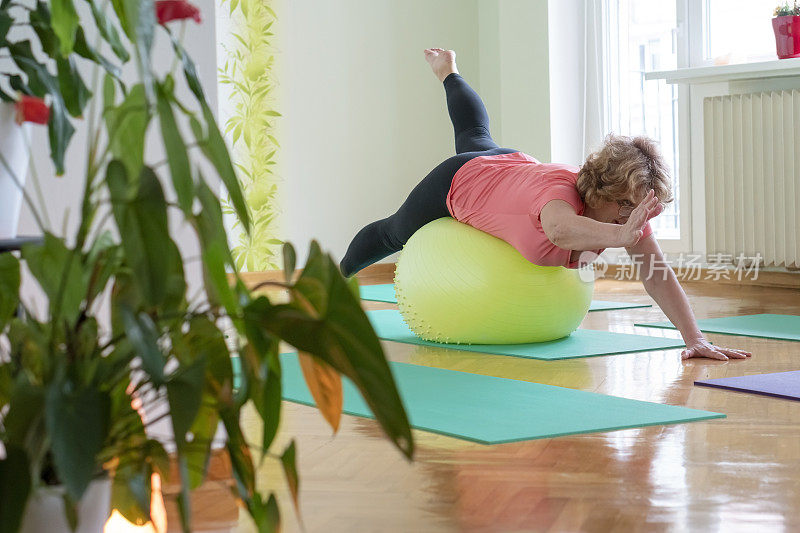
595 76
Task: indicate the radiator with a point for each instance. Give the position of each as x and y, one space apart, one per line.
752 175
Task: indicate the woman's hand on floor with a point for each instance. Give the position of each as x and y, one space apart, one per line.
703 348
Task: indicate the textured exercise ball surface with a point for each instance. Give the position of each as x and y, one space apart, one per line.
457 284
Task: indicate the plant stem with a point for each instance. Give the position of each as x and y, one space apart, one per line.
36 183
24 194
274 283
180 39
165 161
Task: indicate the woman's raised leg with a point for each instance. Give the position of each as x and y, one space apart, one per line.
467 112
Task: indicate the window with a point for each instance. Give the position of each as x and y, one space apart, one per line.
738 31
642 38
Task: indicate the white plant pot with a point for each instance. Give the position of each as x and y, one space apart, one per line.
45 510
14 143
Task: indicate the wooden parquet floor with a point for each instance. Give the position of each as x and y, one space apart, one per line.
741 473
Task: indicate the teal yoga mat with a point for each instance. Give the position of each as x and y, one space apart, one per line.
492 410
389 325
385 293
768 326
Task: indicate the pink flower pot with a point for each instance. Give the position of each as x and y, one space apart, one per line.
787 35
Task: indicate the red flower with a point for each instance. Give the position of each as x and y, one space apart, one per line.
32 109
167 10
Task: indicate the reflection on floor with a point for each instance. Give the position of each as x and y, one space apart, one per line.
739 473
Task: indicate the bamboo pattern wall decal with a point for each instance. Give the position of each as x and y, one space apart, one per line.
249 73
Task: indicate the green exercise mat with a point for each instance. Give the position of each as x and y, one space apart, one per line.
492 410
768 326
601 305
389 325
385 293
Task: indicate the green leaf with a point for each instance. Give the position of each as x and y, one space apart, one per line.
64 286
41 82
213 146
130 492
352 283
270 401
215 251
9 288
109 92
70 511
266 515
15 487
126 13
138 19
127 125
16 83
65 23
77 423
102 261
109 32
177 157
143 335
149 249
203 430
289 463
216 151
158 457
6 383
184 391
73 90
239 452
341 335
5 24
261 371
189 70
85 50
184 504
25 415
125 293
41 23
203 343
289 260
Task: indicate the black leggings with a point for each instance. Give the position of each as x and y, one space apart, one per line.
427 201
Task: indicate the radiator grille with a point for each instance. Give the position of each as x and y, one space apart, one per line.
752 175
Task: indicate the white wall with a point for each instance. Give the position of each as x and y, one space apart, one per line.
63 194
364 118
524 76
566 44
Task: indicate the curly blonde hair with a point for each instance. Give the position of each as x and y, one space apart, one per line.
625 168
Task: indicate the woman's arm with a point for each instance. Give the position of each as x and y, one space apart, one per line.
570 231
661 284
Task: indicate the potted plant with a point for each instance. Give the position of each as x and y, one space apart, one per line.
786 25
70 377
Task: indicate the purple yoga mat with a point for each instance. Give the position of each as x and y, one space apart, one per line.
781 384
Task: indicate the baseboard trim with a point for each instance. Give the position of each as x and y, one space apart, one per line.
383 272
765 278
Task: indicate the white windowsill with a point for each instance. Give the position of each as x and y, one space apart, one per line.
775 68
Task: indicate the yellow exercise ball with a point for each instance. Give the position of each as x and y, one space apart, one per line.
457 284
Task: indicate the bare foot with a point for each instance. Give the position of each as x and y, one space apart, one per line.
443 62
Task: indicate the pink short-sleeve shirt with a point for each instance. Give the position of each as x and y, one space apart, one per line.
503 195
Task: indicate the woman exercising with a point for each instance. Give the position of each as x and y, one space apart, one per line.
554 214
